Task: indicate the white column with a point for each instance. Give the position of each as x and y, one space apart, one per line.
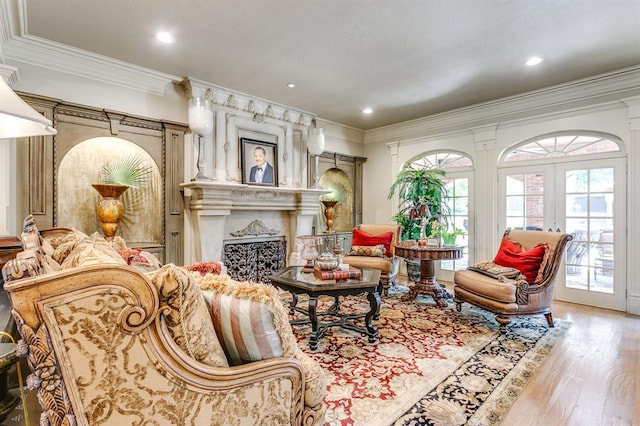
394 153
483 229
220 132
633 208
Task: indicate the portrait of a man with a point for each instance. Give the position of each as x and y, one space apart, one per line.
259 162
262 171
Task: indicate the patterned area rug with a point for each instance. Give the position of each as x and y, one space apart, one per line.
429 366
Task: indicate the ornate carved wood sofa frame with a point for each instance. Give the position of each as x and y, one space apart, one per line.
97 341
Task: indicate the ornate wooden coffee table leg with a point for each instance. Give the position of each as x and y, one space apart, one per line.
428 285
293 304
313 318
374 304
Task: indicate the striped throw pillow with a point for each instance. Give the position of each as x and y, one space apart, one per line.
245 329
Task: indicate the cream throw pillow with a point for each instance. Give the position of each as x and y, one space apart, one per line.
188 320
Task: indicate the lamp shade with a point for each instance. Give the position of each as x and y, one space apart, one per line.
200 116
18 119
315 143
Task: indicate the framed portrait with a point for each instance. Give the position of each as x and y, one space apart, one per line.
259 162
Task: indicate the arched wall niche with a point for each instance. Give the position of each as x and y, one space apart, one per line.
341 187
337 170
76 175
52 184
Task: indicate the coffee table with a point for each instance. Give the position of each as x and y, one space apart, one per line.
293 280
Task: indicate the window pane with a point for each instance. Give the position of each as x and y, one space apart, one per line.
462 187
577 205
601 180
576 225
601 204
534 205
515 222
576 181
515 206
601 224
515 184
534 184
461 206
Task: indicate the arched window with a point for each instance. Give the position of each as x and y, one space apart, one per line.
445 160
565 144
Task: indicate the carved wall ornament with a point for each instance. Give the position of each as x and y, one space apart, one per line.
210 95
251 107
269 112
300 120
255 228
258 118
263 195
286 116
231 102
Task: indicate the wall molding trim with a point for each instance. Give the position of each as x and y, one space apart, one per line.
603 88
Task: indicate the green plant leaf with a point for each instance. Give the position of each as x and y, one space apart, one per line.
128 170
419 190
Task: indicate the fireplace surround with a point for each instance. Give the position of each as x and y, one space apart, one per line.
218 210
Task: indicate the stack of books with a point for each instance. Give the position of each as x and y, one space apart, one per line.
337 274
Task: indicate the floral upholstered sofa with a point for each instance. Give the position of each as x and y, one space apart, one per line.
109 344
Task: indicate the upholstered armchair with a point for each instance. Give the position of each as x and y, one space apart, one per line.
364 254
502 288
108 344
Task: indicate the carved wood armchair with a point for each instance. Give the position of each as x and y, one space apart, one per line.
506 297
387 265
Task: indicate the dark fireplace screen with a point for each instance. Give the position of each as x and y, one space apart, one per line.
254 260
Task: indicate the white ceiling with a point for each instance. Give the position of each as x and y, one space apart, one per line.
404 58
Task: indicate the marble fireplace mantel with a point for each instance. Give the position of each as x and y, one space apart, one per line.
218 209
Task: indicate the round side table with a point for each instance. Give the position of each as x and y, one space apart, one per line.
428 256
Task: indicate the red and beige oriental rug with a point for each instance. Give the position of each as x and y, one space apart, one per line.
430 366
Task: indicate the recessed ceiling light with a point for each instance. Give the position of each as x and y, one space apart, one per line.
367 111
534 60
165 37
291 85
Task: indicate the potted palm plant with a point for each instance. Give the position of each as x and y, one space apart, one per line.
423 211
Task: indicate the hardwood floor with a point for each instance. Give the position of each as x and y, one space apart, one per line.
590 378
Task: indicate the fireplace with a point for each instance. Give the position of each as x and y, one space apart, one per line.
225 215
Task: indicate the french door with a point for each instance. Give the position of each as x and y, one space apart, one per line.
587 200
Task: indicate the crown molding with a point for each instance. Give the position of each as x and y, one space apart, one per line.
16 45
585 92
58 57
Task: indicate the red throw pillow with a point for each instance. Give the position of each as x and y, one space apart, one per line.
530 262
361 238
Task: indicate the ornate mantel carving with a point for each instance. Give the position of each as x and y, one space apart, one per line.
255 228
